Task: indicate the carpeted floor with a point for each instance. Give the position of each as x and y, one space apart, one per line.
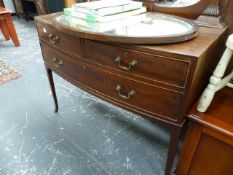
86 137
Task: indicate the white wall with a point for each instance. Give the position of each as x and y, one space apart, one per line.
9 5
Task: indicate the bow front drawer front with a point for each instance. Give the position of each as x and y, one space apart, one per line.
128 93
166 70
65 43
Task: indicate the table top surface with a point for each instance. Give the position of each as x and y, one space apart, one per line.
4 10
193 48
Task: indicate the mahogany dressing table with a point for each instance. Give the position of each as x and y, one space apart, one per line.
159 82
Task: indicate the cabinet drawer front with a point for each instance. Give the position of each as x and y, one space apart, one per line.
161 69
61 41
146 99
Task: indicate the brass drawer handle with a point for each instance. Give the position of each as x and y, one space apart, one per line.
131 64
57 63
129 94
53 38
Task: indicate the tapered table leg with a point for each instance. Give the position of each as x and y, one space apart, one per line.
51 83
4 29
11 29
174 141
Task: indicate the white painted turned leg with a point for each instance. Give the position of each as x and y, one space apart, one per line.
216 81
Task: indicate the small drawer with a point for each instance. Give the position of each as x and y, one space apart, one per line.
128 93
156 68
64 42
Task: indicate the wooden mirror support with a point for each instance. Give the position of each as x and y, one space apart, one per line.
212 16
186 10
213 8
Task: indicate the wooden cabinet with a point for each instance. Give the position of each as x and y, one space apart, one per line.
69 3
18 7
208 147
159 82
1 3
30 8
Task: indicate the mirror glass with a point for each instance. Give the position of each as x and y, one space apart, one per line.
176 3
156 25
153 27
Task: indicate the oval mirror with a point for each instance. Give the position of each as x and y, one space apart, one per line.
185 8
147 28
